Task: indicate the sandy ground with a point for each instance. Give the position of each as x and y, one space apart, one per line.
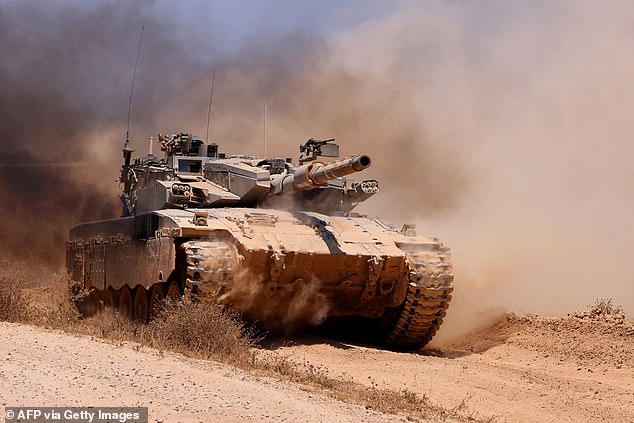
527 369
45 368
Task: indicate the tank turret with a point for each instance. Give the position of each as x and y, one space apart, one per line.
194 174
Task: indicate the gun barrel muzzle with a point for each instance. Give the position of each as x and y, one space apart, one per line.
320 175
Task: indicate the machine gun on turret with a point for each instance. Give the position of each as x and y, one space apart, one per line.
313 148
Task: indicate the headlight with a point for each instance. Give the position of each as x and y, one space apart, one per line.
182 190
368 187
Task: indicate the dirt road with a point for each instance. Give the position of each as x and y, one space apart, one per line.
526 369
45 368
519 369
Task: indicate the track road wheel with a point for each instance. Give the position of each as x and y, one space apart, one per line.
141 307
125 303
173 293
157 300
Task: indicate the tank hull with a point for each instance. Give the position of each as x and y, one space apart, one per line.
278 267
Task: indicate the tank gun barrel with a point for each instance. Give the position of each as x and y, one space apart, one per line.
321 174
311 176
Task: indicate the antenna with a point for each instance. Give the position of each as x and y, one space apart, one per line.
264 157
136 64
211 97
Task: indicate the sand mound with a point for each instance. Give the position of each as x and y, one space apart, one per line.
588 338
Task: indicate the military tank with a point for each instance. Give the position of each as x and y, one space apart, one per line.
276 240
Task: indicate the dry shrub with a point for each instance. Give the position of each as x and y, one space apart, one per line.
24 300
283 365
110 325
13 304
408 403
605 307
59 311
203 330
198 330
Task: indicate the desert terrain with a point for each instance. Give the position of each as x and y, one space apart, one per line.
516 369
512 369
47 368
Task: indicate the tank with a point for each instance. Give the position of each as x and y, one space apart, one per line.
275 240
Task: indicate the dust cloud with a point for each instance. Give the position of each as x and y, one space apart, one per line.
287 309
503 128
536 98
65 74
545 229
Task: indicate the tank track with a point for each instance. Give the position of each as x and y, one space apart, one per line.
428 295
427 299
210 264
